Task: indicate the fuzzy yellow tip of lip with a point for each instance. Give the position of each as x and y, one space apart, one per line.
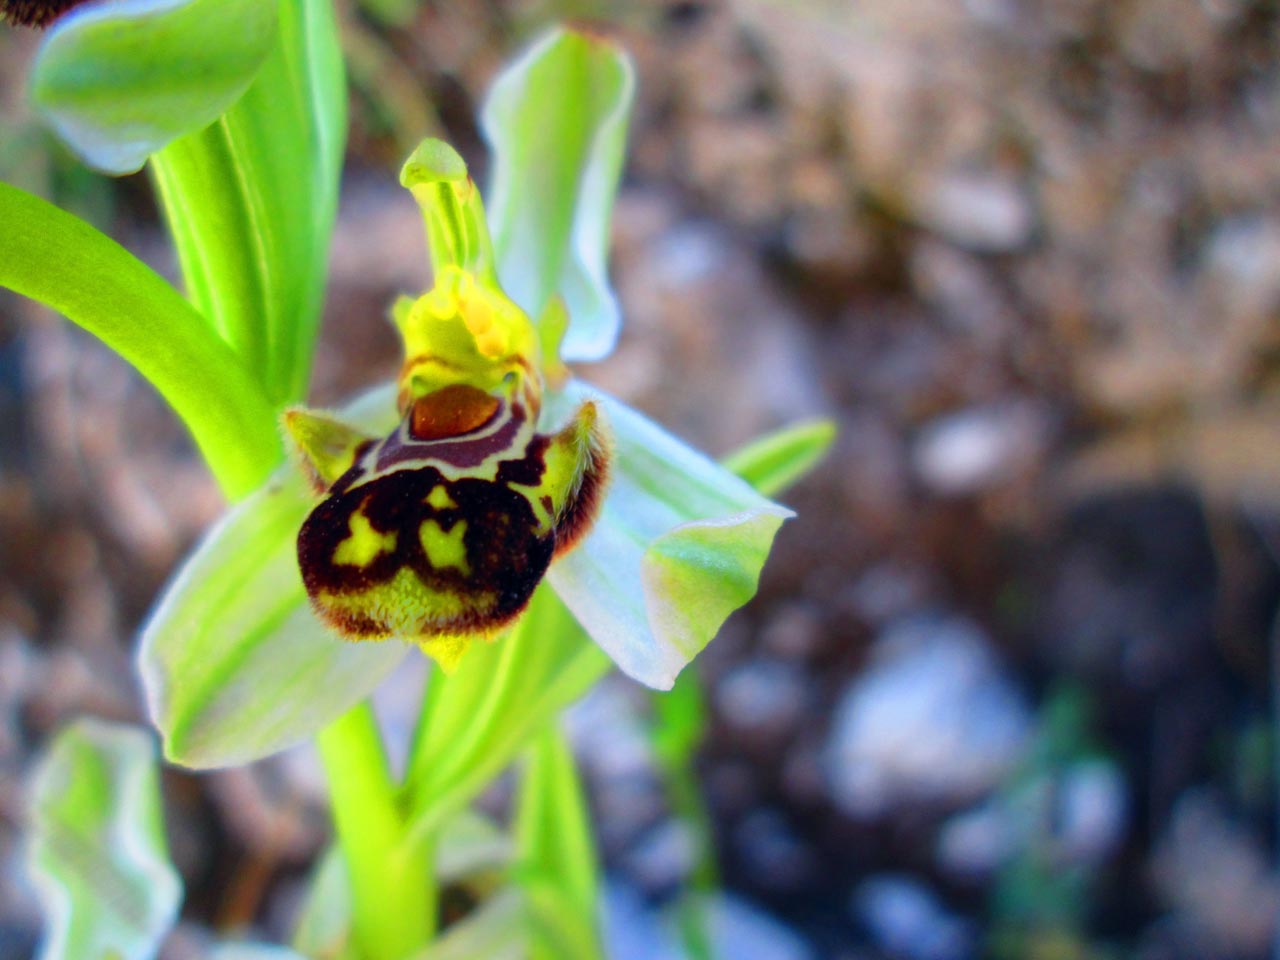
447 652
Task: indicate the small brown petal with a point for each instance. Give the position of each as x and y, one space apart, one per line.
35 13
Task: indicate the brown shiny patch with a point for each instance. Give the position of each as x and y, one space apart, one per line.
451 412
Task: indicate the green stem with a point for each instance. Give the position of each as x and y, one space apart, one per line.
392 886
53 257
679 728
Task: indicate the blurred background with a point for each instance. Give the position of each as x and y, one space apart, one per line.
1007 689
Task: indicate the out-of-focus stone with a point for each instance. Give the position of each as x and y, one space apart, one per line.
905 918
772 855
763 697
793 630
969 451
987 212
933 719
1210 868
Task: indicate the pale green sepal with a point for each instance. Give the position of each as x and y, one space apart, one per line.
119 80
234 663
556 120
777 460
678 547
97 851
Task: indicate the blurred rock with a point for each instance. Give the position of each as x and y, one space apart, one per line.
764 697
934 718
974 844
794 630
1091 812
742 931
886 592
987 212
1219 876
737 930
969 451
661 859
772 854
907 920
1076 817
1133 591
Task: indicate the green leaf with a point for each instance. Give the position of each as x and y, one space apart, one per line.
63 262
678 546
324 925
476 721
557 852
98 854
493 931
557 122
251 201
679 721
777 460
118 81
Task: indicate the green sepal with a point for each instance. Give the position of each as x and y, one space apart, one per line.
97 851
119 81
556 120
323 446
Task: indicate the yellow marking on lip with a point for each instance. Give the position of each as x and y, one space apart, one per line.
364 544
445 549
439 498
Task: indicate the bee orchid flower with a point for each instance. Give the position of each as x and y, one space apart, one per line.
431 510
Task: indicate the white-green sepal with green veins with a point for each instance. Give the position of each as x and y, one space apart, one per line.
556 120
120 80
97 850
678 547
234 663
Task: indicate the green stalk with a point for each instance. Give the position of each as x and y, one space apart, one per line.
393 891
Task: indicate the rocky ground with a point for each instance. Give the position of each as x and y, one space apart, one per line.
1006 690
